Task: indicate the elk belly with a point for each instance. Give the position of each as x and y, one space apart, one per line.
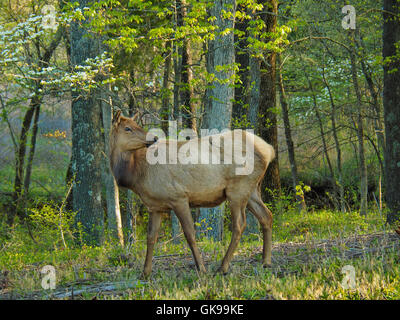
207 199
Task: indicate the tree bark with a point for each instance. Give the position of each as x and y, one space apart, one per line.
391 103
375 101
188 107
20 159
176 114
130 213
267 120
254 91
165 109
380 150
219 97
28 170
241 105
360 133
86 143
247 96
114 222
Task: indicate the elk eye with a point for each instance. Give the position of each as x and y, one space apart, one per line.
127 129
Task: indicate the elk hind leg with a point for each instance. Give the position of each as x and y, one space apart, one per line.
238 225
264 216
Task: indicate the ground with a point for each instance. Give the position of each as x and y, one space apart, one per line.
309 269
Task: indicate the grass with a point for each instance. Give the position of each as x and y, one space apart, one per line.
309 253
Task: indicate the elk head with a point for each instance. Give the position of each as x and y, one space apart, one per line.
127 135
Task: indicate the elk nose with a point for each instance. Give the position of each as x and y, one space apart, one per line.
151 140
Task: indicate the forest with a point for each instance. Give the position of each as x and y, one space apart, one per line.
319 81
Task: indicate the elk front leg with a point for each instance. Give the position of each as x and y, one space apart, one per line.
152 233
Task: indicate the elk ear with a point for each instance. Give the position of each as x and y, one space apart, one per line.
136 116
116 117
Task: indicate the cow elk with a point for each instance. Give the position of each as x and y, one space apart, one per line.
181 186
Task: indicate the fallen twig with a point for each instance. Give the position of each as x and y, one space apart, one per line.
96 288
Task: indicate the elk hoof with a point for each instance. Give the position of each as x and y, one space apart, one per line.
202 270
144 275
221 271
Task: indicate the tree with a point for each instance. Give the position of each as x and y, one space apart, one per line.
289 140
186 89
391 103
267 113
337 143
219 93
26 51
247 94
86 140
114 221
360 133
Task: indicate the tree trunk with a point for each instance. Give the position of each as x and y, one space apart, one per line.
254 91
176 114
34 108
86 143
247 96
337 145
130 215
241 105
189 111
20 159
323 138
114 222
28 170
380 151
165 109
289 142
360 134
252 116
186 90
219 97
375 101
391 103
267 124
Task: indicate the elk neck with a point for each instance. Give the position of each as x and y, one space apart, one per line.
129 167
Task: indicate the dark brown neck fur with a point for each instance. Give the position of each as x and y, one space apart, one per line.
128 167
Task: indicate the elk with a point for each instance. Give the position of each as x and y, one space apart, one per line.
180 187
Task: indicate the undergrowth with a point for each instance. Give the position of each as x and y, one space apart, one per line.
301 269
